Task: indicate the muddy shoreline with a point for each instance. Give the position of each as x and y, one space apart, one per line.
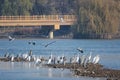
91 70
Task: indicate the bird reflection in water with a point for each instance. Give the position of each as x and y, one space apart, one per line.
50 72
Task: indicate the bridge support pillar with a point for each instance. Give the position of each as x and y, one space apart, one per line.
51 35
56 26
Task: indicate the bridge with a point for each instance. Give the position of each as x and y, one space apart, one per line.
35 21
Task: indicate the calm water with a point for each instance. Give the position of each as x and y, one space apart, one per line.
109 51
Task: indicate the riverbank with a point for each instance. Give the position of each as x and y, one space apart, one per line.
91 70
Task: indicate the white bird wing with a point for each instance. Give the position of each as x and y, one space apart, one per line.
9 37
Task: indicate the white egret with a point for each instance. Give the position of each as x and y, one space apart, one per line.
38 60
29 58
89 58
83 58
62 59
12 58
25 56
58 59
96 59
50 60
77 60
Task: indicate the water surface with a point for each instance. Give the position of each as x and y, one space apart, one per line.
109 51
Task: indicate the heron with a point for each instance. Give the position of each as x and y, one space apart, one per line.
83 58
29 58
50 60
62 59
58 59
25 56
89 57
78 59
38 60
12 58
96 59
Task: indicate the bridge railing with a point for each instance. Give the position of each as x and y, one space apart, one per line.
40 17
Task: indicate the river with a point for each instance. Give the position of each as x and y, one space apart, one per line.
109 51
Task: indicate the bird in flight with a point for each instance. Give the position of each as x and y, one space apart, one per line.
11 38
79 49
46 45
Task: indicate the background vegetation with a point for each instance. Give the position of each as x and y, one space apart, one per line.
95 18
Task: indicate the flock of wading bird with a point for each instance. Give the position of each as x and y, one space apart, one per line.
80 58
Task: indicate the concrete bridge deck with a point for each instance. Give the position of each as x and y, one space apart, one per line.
35 21
40 20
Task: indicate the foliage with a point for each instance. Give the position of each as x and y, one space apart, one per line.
95 18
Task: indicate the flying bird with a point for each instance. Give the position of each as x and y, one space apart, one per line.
80 50
46 45
50 43
10 38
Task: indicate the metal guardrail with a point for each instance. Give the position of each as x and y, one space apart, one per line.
37 20
40 17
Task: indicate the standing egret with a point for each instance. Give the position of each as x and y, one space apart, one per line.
58 59
29 58
78 59
89 58
12 58
50 60
38 60
24 56
96 59
62 59
83 58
